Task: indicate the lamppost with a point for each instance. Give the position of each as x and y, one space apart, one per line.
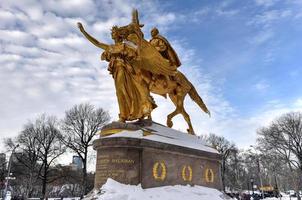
252 183
8 171
259 171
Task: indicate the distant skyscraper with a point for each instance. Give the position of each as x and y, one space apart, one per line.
77 161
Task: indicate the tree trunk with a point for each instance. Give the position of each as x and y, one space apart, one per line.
297 178
84 179
84 171
29 186
43 188
223 174
44 181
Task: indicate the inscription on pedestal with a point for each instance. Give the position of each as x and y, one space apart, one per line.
122 166
106 163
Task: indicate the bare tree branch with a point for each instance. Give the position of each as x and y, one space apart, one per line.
80 126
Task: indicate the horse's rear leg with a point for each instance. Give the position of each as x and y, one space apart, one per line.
188 120
178 101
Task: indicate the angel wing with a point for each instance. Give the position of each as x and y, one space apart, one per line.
151 60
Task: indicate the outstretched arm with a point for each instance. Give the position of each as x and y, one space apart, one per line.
92 39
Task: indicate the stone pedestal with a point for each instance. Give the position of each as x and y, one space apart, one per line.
155 156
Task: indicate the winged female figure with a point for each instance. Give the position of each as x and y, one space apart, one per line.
134 99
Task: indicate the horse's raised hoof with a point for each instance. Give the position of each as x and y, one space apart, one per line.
122 120
190 131
169 123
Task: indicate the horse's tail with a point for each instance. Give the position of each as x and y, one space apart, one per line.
197 99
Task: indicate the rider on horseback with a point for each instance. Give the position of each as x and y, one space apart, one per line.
164 47
166 50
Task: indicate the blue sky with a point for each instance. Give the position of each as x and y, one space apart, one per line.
251 47
244 57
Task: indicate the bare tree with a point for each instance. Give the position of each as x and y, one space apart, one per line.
80 125
45 130
39 147
2 172
28 157
234 170
224 147
284 137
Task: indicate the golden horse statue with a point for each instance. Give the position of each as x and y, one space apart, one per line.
138 68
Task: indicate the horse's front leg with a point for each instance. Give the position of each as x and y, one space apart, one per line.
149 117
174 99
170 116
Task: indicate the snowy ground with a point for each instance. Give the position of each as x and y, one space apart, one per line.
113 190
282 198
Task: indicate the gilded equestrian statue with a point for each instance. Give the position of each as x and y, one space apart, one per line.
140 67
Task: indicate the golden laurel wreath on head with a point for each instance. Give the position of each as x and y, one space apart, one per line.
163 174
209 175
185 169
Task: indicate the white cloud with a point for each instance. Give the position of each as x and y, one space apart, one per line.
267 18
295 73
9 20
266 24
16 37
266 3
298 103
74 8
202 12
262 86
221 12
262 37
5 58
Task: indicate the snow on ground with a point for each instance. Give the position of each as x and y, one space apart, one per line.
282 198
113 190
67 198
161 133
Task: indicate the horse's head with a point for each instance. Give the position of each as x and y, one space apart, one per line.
122 33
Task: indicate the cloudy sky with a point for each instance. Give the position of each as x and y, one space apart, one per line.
244 57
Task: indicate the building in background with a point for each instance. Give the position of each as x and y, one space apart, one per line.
77 163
